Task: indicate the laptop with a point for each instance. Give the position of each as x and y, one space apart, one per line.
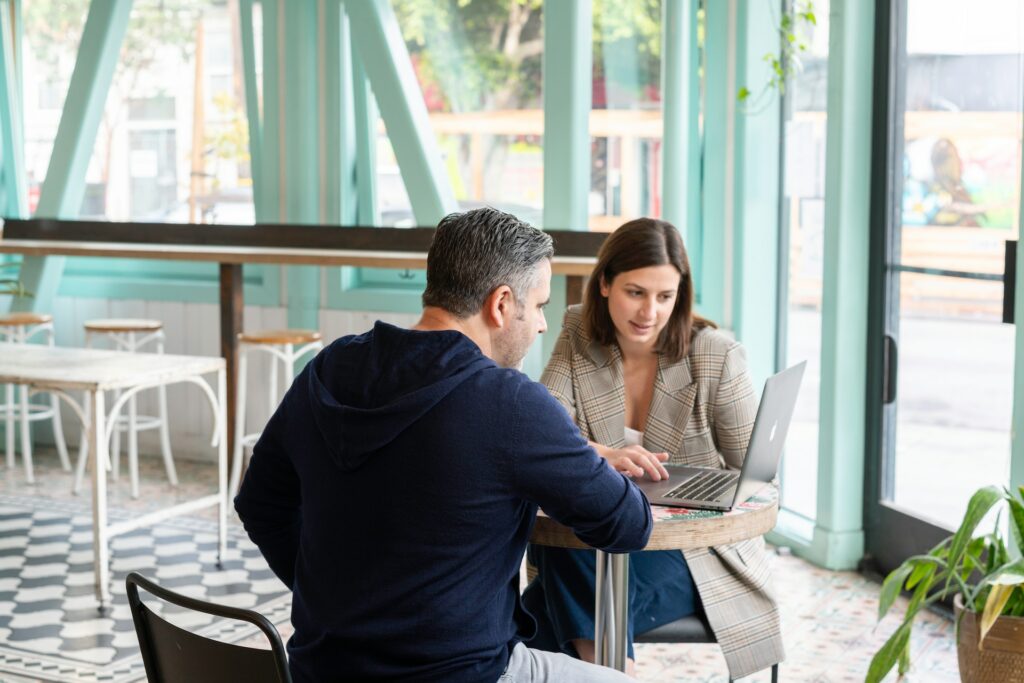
709 488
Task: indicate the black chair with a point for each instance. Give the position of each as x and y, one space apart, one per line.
691 629
174 655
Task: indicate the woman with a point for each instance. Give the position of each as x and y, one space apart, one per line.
647 381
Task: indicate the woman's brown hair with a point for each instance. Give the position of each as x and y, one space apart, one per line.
642 243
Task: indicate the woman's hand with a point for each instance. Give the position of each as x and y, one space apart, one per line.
634 461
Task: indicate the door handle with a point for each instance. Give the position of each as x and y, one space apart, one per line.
890 365
1009 280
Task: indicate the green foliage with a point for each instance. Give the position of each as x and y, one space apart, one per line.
487 54
978 568
11 285
793 30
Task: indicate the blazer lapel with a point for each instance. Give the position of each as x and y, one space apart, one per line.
603 396
671 406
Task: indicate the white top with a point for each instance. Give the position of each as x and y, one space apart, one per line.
55 367
633 437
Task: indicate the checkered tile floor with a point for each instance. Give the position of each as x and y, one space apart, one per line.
50 628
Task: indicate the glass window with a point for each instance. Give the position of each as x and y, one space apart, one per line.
479 68
168 148
961 120
803 220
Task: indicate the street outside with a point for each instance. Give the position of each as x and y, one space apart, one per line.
954 403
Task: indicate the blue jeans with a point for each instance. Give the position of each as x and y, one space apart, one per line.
561 598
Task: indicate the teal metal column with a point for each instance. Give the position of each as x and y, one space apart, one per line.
252 107
1017 423
338 193
271 192
366 143
386 59
680 150
719 110
568 59
756 190
303 57
12 140
838 541
64 187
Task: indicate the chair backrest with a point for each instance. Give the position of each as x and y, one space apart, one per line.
172 654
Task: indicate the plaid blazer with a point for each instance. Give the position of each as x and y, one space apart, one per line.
702 412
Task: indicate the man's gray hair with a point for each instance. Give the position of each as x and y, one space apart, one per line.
475 252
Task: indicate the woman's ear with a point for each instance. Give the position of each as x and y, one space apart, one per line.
605 289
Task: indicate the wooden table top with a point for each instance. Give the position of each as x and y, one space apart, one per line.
560 265
56 367
683 529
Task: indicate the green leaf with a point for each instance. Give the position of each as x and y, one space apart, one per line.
1016 521
886 657
891 587
981 502
923 570
743 94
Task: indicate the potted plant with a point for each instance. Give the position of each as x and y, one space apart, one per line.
987 584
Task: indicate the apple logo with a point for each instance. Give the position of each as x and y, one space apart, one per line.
772 435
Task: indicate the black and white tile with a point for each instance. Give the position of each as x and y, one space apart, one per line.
50 628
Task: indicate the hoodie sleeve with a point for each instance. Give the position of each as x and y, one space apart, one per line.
554 467
268 500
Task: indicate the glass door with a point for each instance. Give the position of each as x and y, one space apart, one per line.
947 195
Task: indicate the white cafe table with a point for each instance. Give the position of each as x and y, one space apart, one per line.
59 370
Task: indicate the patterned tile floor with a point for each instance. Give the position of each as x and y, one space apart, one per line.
828 617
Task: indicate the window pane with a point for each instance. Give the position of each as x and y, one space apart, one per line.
804 220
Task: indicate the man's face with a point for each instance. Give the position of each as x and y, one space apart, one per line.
512 343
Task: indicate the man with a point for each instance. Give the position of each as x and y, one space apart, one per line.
395 487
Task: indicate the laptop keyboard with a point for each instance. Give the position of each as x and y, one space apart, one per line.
710 485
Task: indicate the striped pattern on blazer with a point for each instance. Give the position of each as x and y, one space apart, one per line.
702 413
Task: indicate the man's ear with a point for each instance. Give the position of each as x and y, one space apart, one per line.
499 307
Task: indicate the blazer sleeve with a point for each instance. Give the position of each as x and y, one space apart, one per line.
733 407
557 376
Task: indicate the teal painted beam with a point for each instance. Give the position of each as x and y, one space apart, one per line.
302 123
1017 423
568 61
366 117
338 193
756 191
252 106
62 191
12 137
680 153
838 541
386 59
271 130
719 108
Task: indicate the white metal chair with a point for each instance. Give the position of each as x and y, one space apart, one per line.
285 348
129 334
23 328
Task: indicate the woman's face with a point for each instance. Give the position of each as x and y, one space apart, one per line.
640 303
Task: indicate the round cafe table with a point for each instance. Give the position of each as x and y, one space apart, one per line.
674 529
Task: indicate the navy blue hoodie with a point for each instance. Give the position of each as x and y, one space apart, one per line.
394 491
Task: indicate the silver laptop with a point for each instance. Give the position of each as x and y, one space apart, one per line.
709 488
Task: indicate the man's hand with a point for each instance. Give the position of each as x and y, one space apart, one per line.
635 461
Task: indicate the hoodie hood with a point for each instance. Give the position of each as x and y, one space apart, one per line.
366 390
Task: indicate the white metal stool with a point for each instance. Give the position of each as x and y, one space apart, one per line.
129 334
285 348
21 328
